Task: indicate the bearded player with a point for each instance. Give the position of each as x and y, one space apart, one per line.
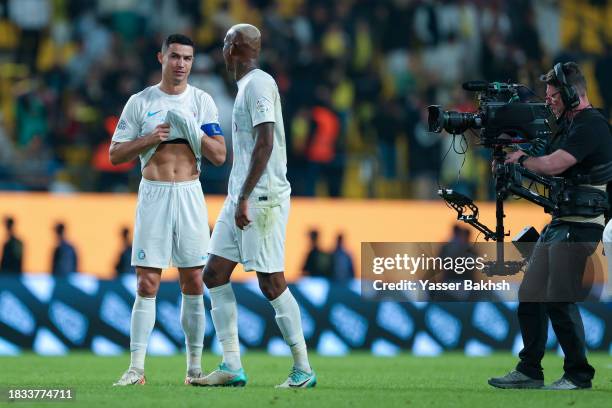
170 126
251 226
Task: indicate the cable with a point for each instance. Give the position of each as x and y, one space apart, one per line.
460 152
441 164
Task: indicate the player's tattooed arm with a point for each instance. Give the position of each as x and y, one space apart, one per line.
122 152
264 142
213 148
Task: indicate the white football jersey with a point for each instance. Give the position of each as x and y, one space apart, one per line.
258 101
148 108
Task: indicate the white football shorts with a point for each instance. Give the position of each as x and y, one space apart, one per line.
261 246
171 226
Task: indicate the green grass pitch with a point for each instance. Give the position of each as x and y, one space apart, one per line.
358 380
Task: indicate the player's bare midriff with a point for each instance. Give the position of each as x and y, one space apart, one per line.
171 162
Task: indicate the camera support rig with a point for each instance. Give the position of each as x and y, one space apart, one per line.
467 211
509 179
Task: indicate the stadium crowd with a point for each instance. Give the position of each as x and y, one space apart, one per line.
354 76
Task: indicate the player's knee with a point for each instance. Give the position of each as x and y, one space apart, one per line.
147 287
209 278
271 288
212 278
269 292
192 285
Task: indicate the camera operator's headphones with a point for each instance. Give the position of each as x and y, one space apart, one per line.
568 93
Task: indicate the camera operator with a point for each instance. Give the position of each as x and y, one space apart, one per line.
582 147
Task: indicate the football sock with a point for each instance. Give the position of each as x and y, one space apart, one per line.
193 322
224 313
290 324
143 320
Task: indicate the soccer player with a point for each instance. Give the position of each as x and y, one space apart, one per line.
251 226
169 126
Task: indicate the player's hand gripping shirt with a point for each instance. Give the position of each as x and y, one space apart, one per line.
188 114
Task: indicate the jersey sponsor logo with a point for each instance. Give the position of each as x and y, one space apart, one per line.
149 114
122 125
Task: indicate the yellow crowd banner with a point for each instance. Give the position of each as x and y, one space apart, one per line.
94 222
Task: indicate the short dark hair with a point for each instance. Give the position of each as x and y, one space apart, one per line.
573 77
176 39
9 222
59 229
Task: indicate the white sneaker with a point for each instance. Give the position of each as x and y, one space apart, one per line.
565 384
131 377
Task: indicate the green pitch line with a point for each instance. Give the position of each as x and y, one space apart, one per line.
359 380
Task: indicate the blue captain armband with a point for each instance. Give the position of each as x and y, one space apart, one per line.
212 129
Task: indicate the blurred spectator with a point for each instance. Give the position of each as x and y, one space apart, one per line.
65 259
31 116
214 178
388 123
12 252
124 263
603 68
318 263
110 177
7 157
342 262
321 150
424 151
32 17
458 246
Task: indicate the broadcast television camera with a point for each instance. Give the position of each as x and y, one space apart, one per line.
505 115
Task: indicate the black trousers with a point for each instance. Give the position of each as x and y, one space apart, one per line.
552 284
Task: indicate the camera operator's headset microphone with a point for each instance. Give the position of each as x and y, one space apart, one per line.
568 93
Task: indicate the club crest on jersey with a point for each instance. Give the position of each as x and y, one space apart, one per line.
122 125
141 254
262 105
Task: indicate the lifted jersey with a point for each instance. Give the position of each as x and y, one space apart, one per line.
149 108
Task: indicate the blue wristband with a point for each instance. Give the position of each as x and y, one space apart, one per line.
212 129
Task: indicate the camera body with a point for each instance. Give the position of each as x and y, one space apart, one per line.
505 116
